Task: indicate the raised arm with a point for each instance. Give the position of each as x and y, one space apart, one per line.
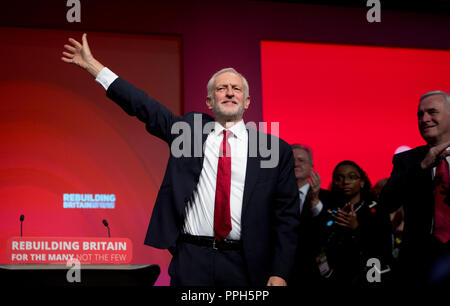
133 101
80 55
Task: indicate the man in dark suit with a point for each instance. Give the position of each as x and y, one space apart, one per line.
413 182
306 271
308 181
225 212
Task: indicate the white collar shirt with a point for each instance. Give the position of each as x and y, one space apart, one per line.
199 211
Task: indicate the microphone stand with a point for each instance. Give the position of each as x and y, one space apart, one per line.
105 223
22 217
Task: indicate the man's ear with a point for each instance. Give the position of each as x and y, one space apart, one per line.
247 103
209 103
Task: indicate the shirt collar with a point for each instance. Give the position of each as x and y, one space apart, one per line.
304 189
239 129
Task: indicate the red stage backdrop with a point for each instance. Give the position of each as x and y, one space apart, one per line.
347 101
69 156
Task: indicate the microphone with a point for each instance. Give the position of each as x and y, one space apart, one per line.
22 217
105 223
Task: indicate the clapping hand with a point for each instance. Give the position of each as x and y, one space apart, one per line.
347 217
313 194
435 155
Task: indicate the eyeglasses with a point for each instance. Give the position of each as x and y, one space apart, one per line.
342 178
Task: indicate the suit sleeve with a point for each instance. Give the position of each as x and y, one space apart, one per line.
286 217
135 102
406 176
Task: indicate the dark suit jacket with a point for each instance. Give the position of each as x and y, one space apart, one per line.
412 187
268 220
306 272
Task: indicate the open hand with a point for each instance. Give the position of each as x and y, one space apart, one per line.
80 55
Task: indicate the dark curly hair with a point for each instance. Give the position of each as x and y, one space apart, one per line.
366 190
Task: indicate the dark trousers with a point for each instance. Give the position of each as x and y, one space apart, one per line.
194 265
439 272
427 265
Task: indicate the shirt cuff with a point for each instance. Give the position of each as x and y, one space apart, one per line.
317 209
105 77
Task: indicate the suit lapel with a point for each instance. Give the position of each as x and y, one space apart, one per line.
206 119
251 176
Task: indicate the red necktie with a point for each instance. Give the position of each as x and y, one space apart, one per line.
441 208
222 216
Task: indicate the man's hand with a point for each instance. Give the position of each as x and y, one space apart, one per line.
313 193
80 55
435 155
276 281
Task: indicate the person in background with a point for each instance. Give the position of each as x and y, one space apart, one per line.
420 182
310 206
350 230
308 181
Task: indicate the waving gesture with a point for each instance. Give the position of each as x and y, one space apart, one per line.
80 55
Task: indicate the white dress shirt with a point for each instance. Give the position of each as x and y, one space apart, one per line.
105 77
199 212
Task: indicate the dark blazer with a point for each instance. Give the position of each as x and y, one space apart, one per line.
412 187
306 272
268 220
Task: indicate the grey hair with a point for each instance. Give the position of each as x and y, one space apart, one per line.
304 148
437 92
210 86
